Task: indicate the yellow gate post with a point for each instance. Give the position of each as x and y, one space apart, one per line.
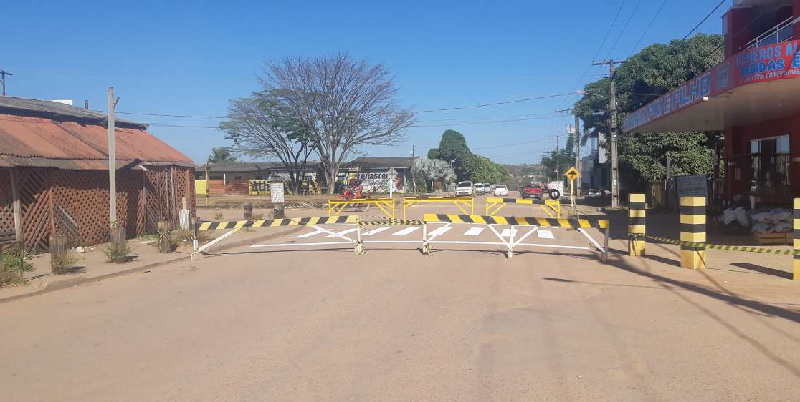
796 260
693 229
636 224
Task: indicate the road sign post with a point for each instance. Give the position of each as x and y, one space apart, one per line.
572 174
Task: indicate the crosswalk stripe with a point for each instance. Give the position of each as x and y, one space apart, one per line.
343 232
441 230
304 235
473 231
377 230
406 231
545 234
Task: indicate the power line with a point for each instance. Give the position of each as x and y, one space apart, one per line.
500 103
624 27
610 28
705 19
646 30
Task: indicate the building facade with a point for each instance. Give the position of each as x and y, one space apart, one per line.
54 175
751 97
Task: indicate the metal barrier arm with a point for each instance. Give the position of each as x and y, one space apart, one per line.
594 243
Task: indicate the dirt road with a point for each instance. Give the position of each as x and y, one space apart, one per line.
394 325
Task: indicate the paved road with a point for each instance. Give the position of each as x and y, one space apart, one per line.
394 325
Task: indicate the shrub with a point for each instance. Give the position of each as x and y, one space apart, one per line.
63 263
218 216
117 252
14 260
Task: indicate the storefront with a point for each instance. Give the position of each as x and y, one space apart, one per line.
751 97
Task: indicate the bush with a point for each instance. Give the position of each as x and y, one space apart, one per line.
218 216
117 252
14 259
63 263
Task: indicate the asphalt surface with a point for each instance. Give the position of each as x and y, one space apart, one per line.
464 324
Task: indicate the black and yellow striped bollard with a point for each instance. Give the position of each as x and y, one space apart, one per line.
636 224
796 261
693 229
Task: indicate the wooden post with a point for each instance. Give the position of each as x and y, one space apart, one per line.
164 245
248 211
118 235
693 229
277 211
17 205
636 224
58 250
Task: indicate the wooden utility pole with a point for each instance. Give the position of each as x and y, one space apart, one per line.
612 106
112 160
3 74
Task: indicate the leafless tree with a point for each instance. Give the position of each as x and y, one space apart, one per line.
260 126
344 103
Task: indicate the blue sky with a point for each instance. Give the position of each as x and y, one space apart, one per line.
190 59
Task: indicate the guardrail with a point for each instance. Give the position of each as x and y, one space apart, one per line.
461 202
386 205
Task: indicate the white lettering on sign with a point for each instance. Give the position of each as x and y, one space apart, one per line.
692 186
276 191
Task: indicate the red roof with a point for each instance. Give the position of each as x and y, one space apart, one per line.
37 141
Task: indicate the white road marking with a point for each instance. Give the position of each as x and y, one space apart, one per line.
376 231
406 231
303 236
343 232
440 231
506 233
474 231
545 234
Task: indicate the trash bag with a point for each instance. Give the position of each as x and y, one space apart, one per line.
782 214
728 216
781 227
759 227
742 217
763 217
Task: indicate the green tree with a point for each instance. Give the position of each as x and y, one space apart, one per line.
468 166
558 161
220 155
453 149
652 72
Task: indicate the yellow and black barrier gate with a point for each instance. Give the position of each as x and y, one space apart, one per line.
551 207
520 228
386 205
462 203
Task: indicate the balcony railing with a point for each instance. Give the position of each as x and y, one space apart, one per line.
782 32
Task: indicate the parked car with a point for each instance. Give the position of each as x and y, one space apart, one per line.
465 188
480 188
531 191
500 191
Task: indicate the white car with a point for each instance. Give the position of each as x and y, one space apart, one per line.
480 188
465 188
501 191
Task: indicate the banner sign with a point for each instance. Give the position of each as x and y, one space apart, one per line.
759 64
258 187
276 192
377 182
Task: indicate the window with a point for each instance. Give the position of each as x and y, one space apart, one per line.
770 159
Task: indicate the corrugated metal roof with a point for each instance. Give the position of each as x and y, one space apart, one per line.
52 143
383 162
58 111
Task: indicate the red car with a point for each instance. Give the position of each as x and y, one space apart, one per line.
531 191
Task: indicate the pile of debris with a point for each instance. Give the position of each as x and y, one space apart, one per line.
760 220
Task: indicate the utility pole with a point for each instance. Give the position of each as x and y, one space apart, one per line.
112 160
413 159
577 139
3 74
612 105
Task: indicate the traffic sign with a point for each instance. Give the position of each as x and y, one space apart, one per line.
572 173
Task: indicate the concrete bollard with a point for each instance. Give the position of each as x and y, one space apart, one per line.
248 211
693 229
796 221
637 210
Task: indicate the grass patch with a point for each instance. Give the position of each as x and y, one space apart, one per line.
63 263
14 262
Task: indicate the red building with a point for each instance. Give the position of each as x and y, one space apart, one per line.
753 96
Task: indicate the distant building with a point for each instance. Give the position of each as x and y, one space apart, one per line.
54 174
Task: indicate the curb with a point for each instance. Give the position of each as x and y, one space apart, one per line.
65 284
